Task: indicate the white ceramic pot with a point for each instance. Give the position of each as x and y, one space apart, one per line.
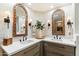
39 34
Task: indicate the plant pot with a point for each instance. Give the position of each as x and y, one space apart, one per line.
39 34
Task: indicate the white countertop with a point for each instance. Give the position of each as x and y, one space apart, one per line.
65 42
18 46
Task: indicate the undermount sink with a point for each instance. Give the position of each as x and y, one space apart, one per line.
57 38
27 41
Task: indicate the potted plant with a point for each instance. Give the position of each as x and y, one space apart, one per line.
39 30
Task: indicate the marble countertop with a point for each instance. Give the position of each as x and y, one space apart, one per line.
18 46
65 42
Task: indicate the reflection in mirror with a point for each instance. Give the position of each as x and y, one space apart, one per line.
58 22
57 17
19 20
20 25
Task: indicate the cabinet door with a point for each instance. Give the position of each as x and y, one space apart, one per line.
0 52
58 49
33 50
52 53
42 48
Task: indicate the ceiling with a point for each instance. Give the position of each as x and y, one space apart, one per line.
43 7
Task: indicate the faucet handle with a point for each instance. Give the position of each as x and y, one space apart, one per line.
54 37
23 39
20 40
59 37
26 38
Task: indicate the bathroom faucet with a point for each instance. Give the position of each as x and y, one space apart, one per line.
24 38
57 36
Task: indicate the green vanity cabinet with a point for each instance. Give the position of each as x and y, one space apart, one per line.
56 49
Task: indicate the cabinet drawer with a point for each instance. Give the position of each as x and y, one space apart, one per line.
59 48
30 51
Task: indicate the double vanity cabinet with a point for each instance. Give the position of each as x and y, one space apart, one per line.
40 47
56 49
46 48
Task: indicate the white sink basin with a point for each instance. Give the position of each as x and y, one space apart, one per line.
57 39
27 41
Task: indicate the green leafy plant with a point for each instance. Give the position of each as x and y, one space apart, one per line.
39 25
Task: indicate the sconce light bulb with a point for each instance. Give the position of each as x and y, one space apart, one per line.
30 20
48 21
29 3
7 13
51 6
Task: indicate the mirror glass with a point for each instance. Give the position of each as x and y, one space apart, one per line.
19 20
57 15
58 22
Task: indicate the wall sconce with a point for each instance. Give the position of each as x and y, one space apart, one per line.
48 24
69 23
30 23
7 20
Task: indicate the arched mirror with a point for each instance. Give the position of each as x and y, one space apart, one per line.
58 22
20 20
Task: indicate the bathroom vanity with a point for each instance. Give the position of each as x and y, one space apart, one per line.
56 49
43 47
33 50
49 46
1 52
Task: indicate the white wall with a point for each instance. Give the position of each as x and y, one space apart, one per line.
69 11
77 45
4 9
37 16
77 18
77 27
